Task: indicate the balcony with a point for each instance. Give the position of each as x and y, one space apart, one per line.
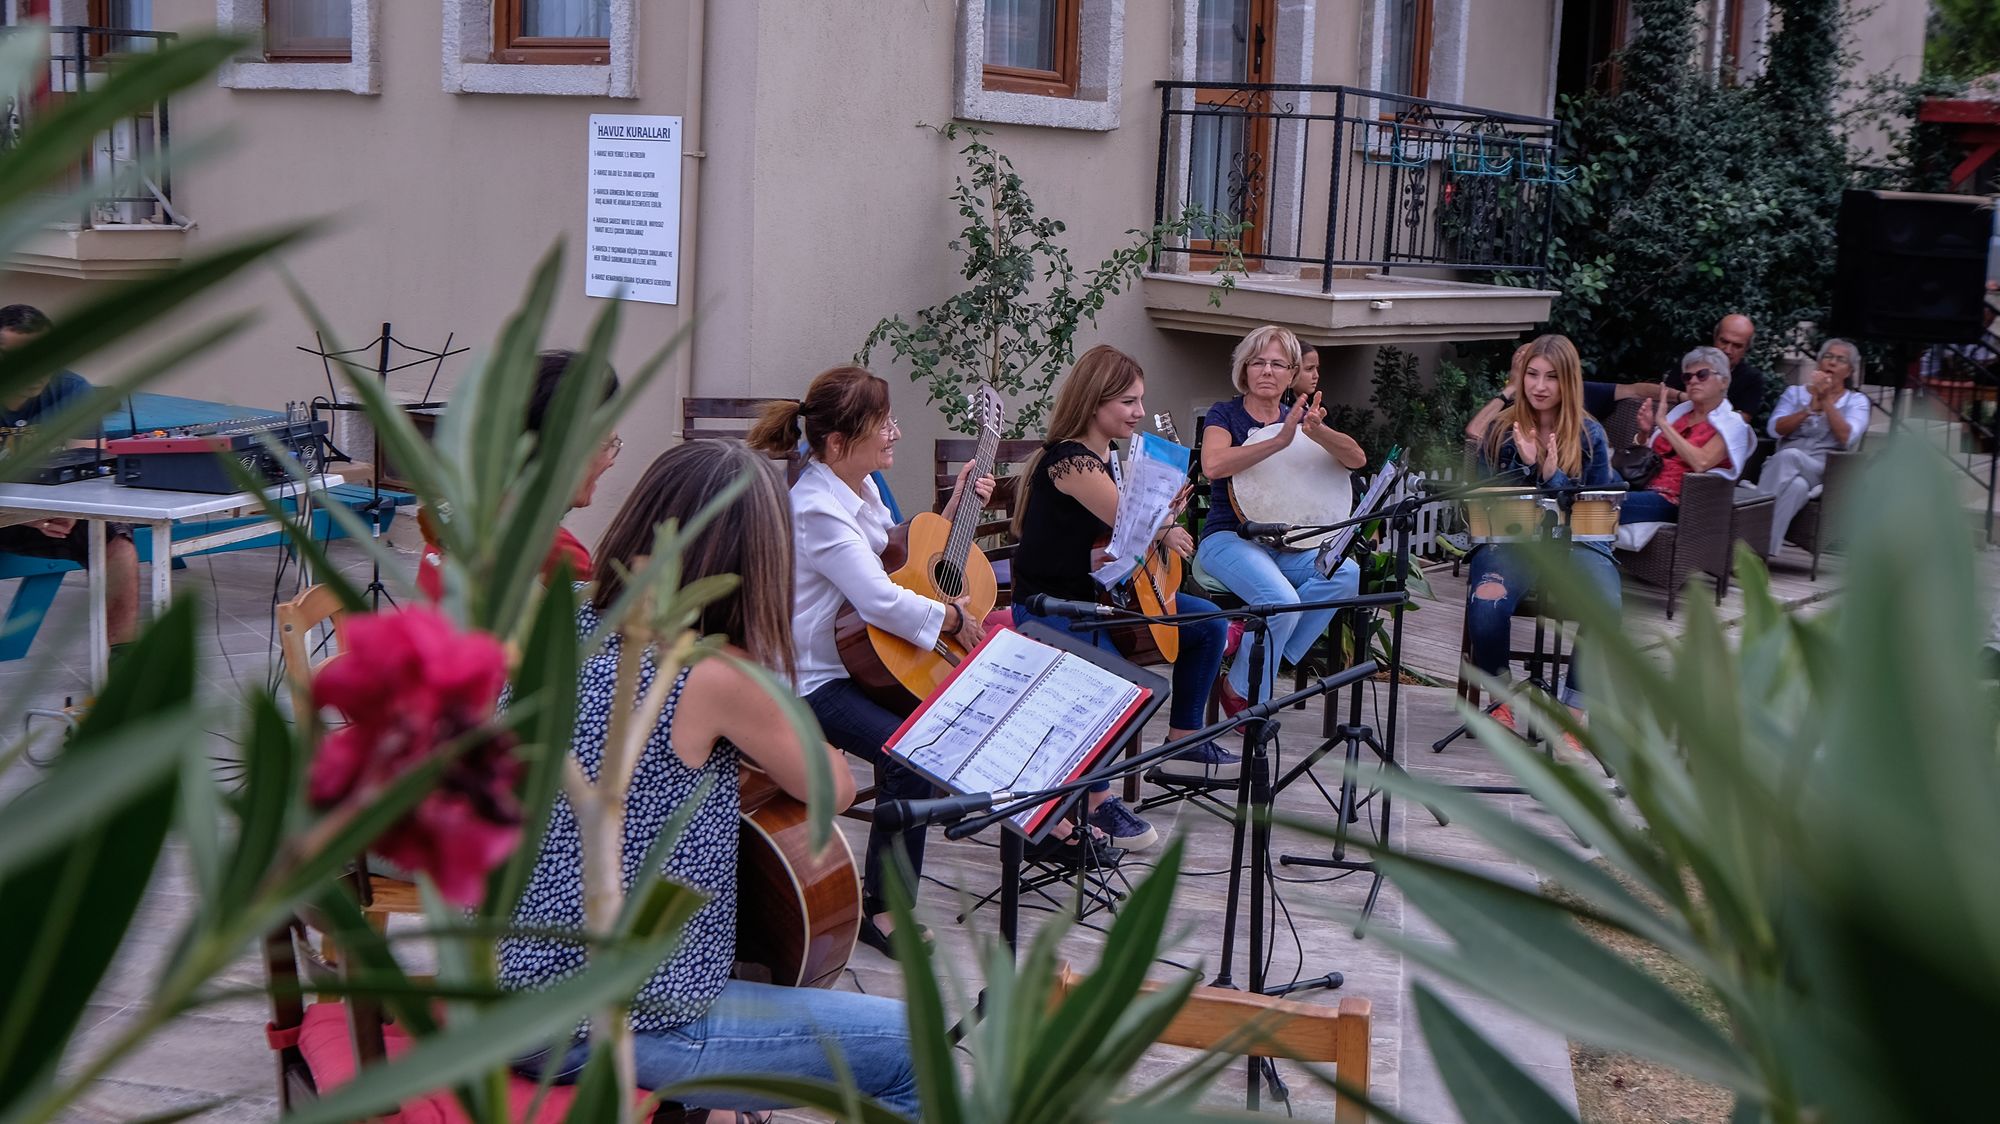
1364 217
131 229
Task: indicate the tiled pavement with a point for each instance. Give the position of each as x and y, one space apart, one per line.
219 1055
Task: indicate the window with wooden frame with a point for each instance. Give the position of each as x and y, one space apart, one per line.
1032 46
556 32
308 31
1407 59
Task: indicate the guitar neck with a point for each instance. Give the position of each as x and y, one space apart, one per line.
965 521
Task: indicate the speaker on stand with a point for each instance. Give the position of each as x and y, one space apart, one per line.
1910 269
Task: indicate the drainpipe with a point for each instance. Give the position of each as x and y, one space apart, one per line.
691 150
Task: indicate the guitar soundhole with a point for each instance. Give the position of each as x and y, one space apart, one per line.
948 579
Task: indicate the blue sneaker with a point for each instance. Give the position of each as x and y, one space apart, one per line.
1123 825
1217 763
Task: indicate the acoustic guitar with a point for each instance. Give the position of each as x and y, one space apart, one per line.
939 560
797 912
1153 588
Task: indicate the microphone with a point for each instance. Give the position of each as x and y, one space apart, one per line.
1042 605
1264 530
896 815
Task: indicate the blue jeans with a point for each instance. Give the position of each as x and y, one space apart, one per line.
1194 672
778 1031
1648 507
1489 620
1262 576
856 724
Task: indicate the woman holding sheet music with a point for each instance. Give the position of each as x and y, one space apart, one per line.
1260 573
841 527
1070 505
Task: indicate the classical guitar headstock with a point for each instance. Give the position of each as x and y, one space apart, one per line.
986 408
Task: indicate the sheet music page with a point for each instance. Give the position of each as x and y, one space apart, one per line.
1021 716
1334 549
1146 492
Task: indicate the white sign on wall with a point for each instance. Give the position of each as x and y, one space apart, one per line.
634 212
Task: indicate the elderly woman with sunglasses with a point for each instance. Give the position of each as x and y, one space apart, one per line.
1702 434
1824 414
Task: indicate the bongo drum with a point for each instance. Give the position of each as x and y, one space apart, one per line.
1504 515
1593 517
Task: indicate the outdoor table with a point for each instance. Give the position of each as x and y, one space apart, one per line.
97 502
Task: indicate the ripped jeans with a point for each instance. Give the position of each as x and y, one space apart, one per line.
1489 620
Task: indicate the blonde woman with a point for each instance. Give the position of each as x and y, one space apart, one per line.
1262 371
1544 439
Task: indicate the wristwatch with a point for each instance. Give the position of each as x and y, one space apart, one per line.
1504 399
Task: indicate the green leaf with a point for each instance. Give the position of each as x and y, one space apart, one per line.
597 1091
1525 952
273 777
71 907
805 1092
51 144
124 308
930 1043
1484 1084
503 1032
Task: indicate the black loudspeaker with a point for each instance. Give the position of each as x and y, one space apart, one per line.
1911 267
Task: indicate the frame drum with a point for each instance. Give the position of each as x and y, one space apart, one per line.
1505 515
1593 517
1300 483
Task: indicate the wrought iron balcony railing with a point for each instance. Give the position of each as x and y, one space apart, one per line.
131 154
1336 176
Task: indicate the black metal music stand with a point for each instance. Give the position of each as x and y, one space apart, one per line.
382 369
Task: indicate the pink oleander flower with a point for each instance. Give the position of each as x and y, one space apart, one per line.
408 682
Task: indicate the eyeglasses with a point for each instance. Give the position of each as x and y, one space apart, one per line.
612 446
890 430
1270 364
1703 373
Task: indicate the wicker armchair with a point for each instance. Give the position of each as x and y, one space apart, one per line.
1715 516
1811 530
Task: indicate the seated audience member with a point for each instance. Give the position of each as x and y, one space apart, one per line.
66 538
1812 419
1702 434
1747 381
550 367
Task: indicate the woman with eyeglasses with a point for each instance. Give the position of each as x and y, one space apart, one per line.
840 528
1702 434
1821 415
1262 370
551 367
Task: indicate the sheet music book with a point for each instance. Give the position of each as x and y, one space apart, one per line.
1146 492
1018 715
1334 550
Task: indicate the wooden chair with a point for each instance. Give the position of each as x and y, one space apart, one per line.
1269 1027
995 532
721 417
316 607
1714 516
1811 530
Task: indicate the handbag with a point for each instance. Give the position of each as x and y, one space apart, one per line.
1636 464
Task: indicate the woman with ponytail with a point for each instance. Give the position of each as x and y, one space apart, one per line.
840 528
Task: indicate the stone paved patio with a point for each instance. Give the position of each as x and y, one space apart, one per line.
219 1055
